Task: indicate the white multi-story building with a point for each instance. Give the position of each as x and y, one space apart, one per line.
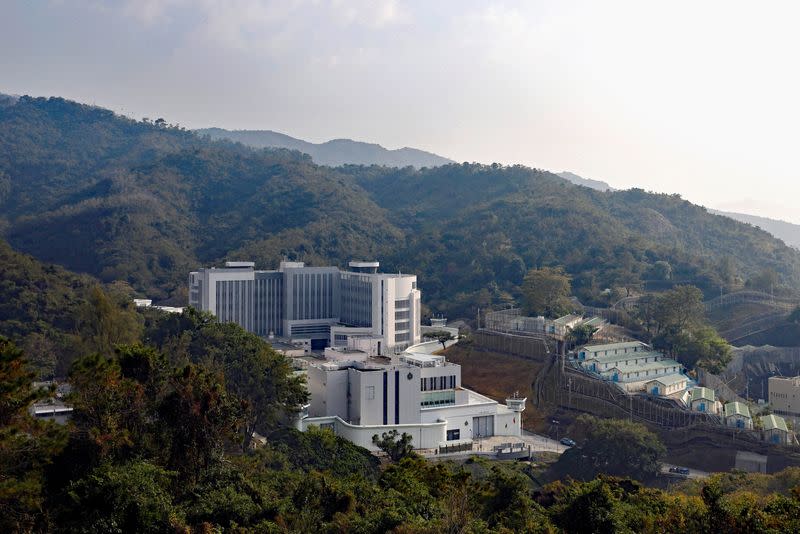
358 396
318 306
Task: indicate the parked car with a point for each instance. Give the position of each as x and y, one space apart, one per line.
679 470
568 442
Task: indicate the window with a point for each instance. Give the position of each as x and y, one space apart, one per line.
370 392
453 435
452 381
402 303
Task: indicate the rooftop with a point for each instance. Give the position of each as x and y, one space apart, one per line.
422 360
633 367
567 319
700 393
612 346
608 358
774 422
795 379
669 380
737 408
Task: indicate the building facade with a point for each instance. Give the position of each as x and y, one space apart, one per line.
784 395
737 415
703 400
319 306
359 396
775 430
633 366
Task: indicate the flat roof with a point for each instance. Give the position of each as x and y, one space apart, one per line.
795 379
612 346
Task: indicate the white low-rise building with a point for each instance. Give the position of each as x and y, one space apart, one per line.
703 400
415 392
666 385
612 349
633 366
737 415
775 430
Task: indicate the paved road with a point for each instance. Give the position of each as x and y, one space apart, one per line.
693 473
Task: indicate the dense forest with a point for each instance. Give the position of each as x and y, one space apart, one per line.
143 202
159 442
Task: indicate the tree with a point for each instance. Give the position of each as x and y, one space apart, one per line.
678 309
702 347
261 377
103 324
441 336
110 410
614 447
766 281
661 270
676 319
394 447
546 291
581 334
26 445
130 497
201 417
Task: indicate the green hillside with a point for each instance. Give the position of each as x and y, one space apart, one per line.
145 202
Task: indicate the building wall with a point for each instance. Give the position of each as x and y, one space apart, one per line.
776 436
356 299
268 303
732 421
711 407
423 436
391 388
328 389
784 395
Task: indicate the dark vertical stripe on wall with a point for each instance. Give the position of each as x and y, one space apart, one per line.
397 397
385 397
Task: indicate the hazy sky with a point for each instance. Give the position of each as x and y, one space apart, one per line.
701 98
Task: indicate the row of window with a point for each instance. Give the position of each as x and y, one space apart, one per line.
438 398
433 383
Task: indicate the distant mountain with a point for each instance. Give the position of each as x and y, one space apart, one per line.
333 153
586 182
787 232
145 203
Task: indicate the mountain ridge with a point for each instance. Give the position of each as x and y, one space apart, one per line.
145 203
333 153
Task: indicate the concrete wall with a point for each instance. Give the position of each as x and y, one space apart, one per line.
732 421
423 436
328 391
